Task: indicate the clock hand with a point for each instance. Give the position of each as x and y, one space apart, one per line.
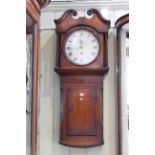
76 48
81 44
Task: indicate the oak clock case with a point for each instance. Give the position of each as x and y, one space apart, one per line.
82 62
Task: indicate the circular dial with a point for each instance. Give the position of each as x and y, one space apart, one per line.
81 47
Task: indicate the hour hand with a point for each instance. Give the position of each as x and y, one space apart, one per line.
81 44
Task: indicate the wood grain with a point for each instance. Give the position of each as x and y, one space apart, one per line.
35 90
81 120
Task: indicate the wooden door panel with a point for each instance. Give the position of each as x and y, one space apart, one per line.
81 111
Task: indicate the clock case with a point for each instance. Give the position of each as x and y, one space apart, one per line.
81 114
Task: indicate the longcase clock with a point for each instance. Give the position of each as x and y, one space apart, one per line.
82 62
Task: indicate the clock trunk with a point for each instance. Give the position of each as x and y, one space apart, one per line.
81 110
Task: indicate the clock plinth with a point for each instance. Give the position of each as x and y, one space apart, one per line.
81 123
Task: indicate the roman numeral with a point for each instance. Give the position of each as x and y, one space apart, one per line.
70 54
68 48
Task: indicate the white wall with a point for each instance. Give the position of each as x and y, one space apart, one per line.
49 94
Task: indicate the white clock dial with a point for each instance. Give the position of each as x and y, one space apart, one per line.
81 47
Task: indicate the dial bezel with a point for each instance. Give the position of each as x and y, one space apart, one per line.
85 28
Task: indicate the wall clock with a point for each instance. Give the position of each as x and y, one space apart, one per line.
82 62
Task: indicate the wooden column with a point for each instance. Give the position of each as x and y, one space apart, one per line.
33 10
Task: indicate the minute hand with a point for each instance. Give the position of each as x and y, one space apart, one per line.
76 48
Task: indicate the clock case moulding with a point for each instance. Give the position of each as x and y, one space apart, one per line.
81 114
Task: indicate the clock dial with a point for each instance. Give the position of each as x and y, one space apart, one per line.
81 47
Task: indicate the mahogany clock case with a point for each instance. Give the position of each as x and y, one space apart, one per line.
81 114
